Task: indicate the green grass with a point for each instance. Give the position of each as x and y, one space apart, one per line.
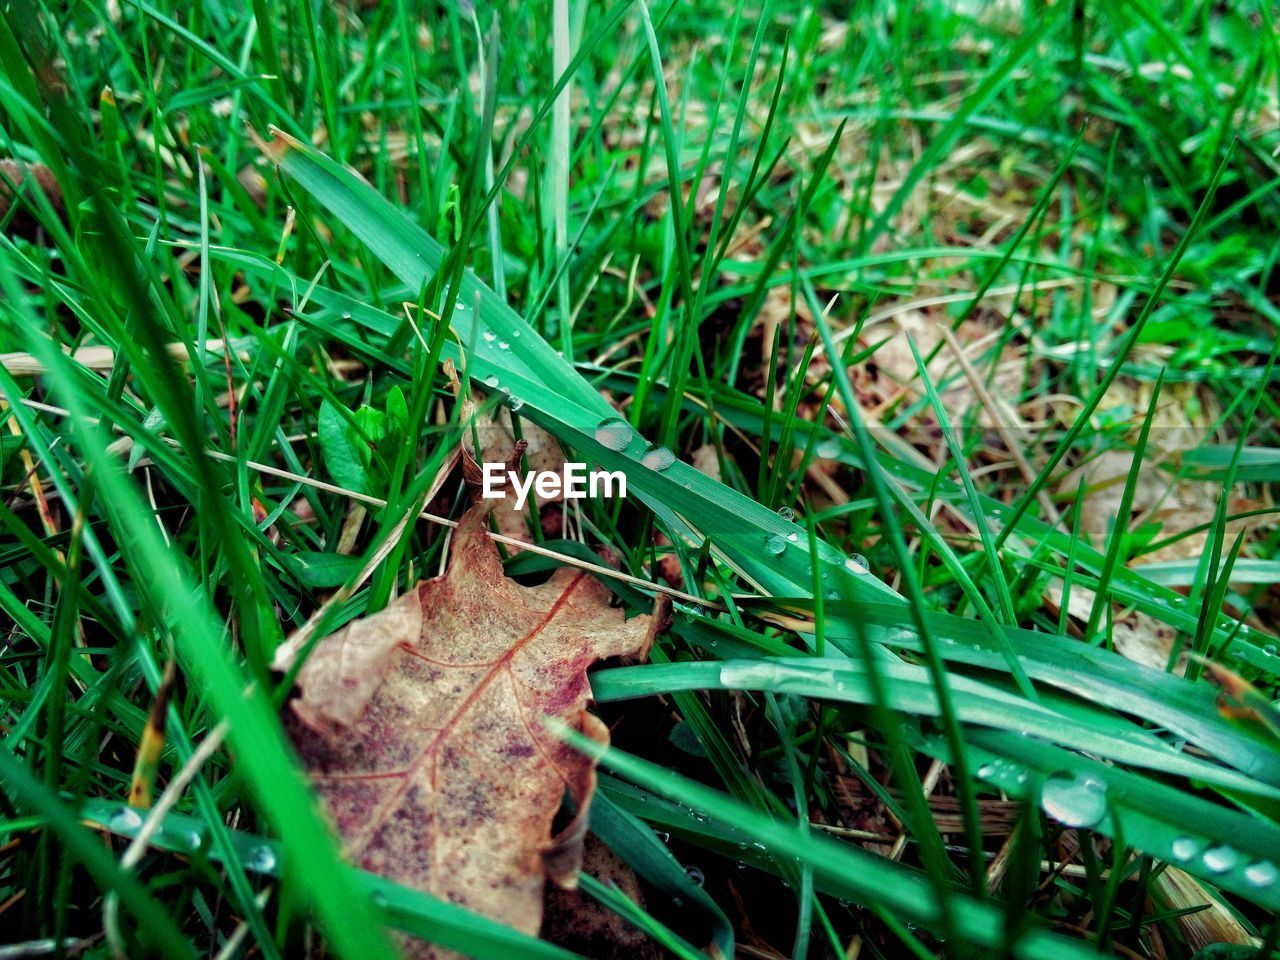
919 707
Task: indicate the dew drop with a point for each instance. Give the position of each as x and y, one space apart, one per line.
379 898
346 315
792 537
125 819
786 513
774 544
503 345
1220 859
514 403
614 433
1184 848
832 595
987 770
857 563
491 380
1074 800
459 305
489 336
828 449
696 875
658 458
261 859
1261 873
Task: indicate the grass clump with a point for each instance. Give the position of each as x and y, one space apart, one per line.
958 320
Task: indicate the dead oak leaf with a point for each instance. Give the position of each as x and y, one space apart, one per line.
496 438
421 726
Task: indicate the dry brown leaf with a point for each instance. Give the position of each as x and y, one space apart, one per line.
706 460
1144 639
1210 923
13 181
1136 635
497 439
492 439
584 925
421 726
542 454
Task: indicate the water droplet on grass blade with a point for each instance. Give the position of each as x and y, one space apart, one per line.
125 819
614 433
1074 800
1261 873
489 336
828 449
696 875
658 458
261 859
786 513
1220 859
857 563
774 545
1184 849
